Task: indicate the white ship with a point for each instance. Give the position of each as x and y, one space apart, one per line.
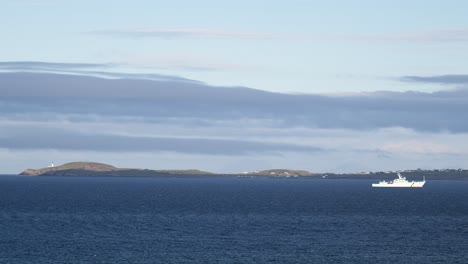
400 182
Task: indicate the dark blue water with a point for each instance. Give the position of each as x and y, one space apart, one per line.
148 220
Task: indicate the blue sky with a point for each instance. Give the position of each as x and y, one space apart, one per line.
309 46
355 53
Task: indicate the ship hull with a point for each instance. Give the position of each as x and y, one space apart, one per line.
399 185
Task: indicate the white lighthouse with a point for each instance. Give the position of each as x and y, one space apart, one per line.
51 165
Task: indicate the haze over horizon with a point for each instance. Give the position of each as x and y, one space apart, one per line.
232 87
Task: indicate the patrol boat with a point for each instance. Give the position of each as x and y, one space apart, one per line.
400 182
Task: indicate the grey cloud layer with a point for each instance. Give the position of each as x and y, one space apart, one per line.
41 138
38 65
441 79
147 99
88 69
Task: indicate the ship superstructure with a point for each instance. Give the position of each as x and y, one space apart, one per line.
400 182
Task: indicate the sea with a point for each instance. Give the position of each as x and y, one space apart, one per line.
230 220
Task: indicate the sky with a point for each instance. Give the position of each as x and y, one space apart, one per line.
325 86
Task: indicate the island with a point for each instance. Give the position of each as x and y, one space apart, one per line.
100 169
95 169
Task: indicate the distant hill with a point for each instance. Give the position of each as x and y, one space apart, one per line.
281 173
89 166
100 169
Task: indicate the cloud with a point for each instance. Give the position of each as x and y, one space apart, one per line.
440 79
153 100
188 33
436 35
184 61
87 69
20 137
417 146
37 65
131 121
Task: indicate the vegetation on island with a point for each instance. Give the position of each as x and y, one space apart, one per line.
100 169
89 166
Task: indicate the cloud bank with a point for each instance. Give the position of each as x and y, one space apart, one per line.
185 123
172 98
39 138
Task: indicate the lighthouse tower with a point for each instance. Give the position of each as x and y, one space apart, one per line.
51 165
